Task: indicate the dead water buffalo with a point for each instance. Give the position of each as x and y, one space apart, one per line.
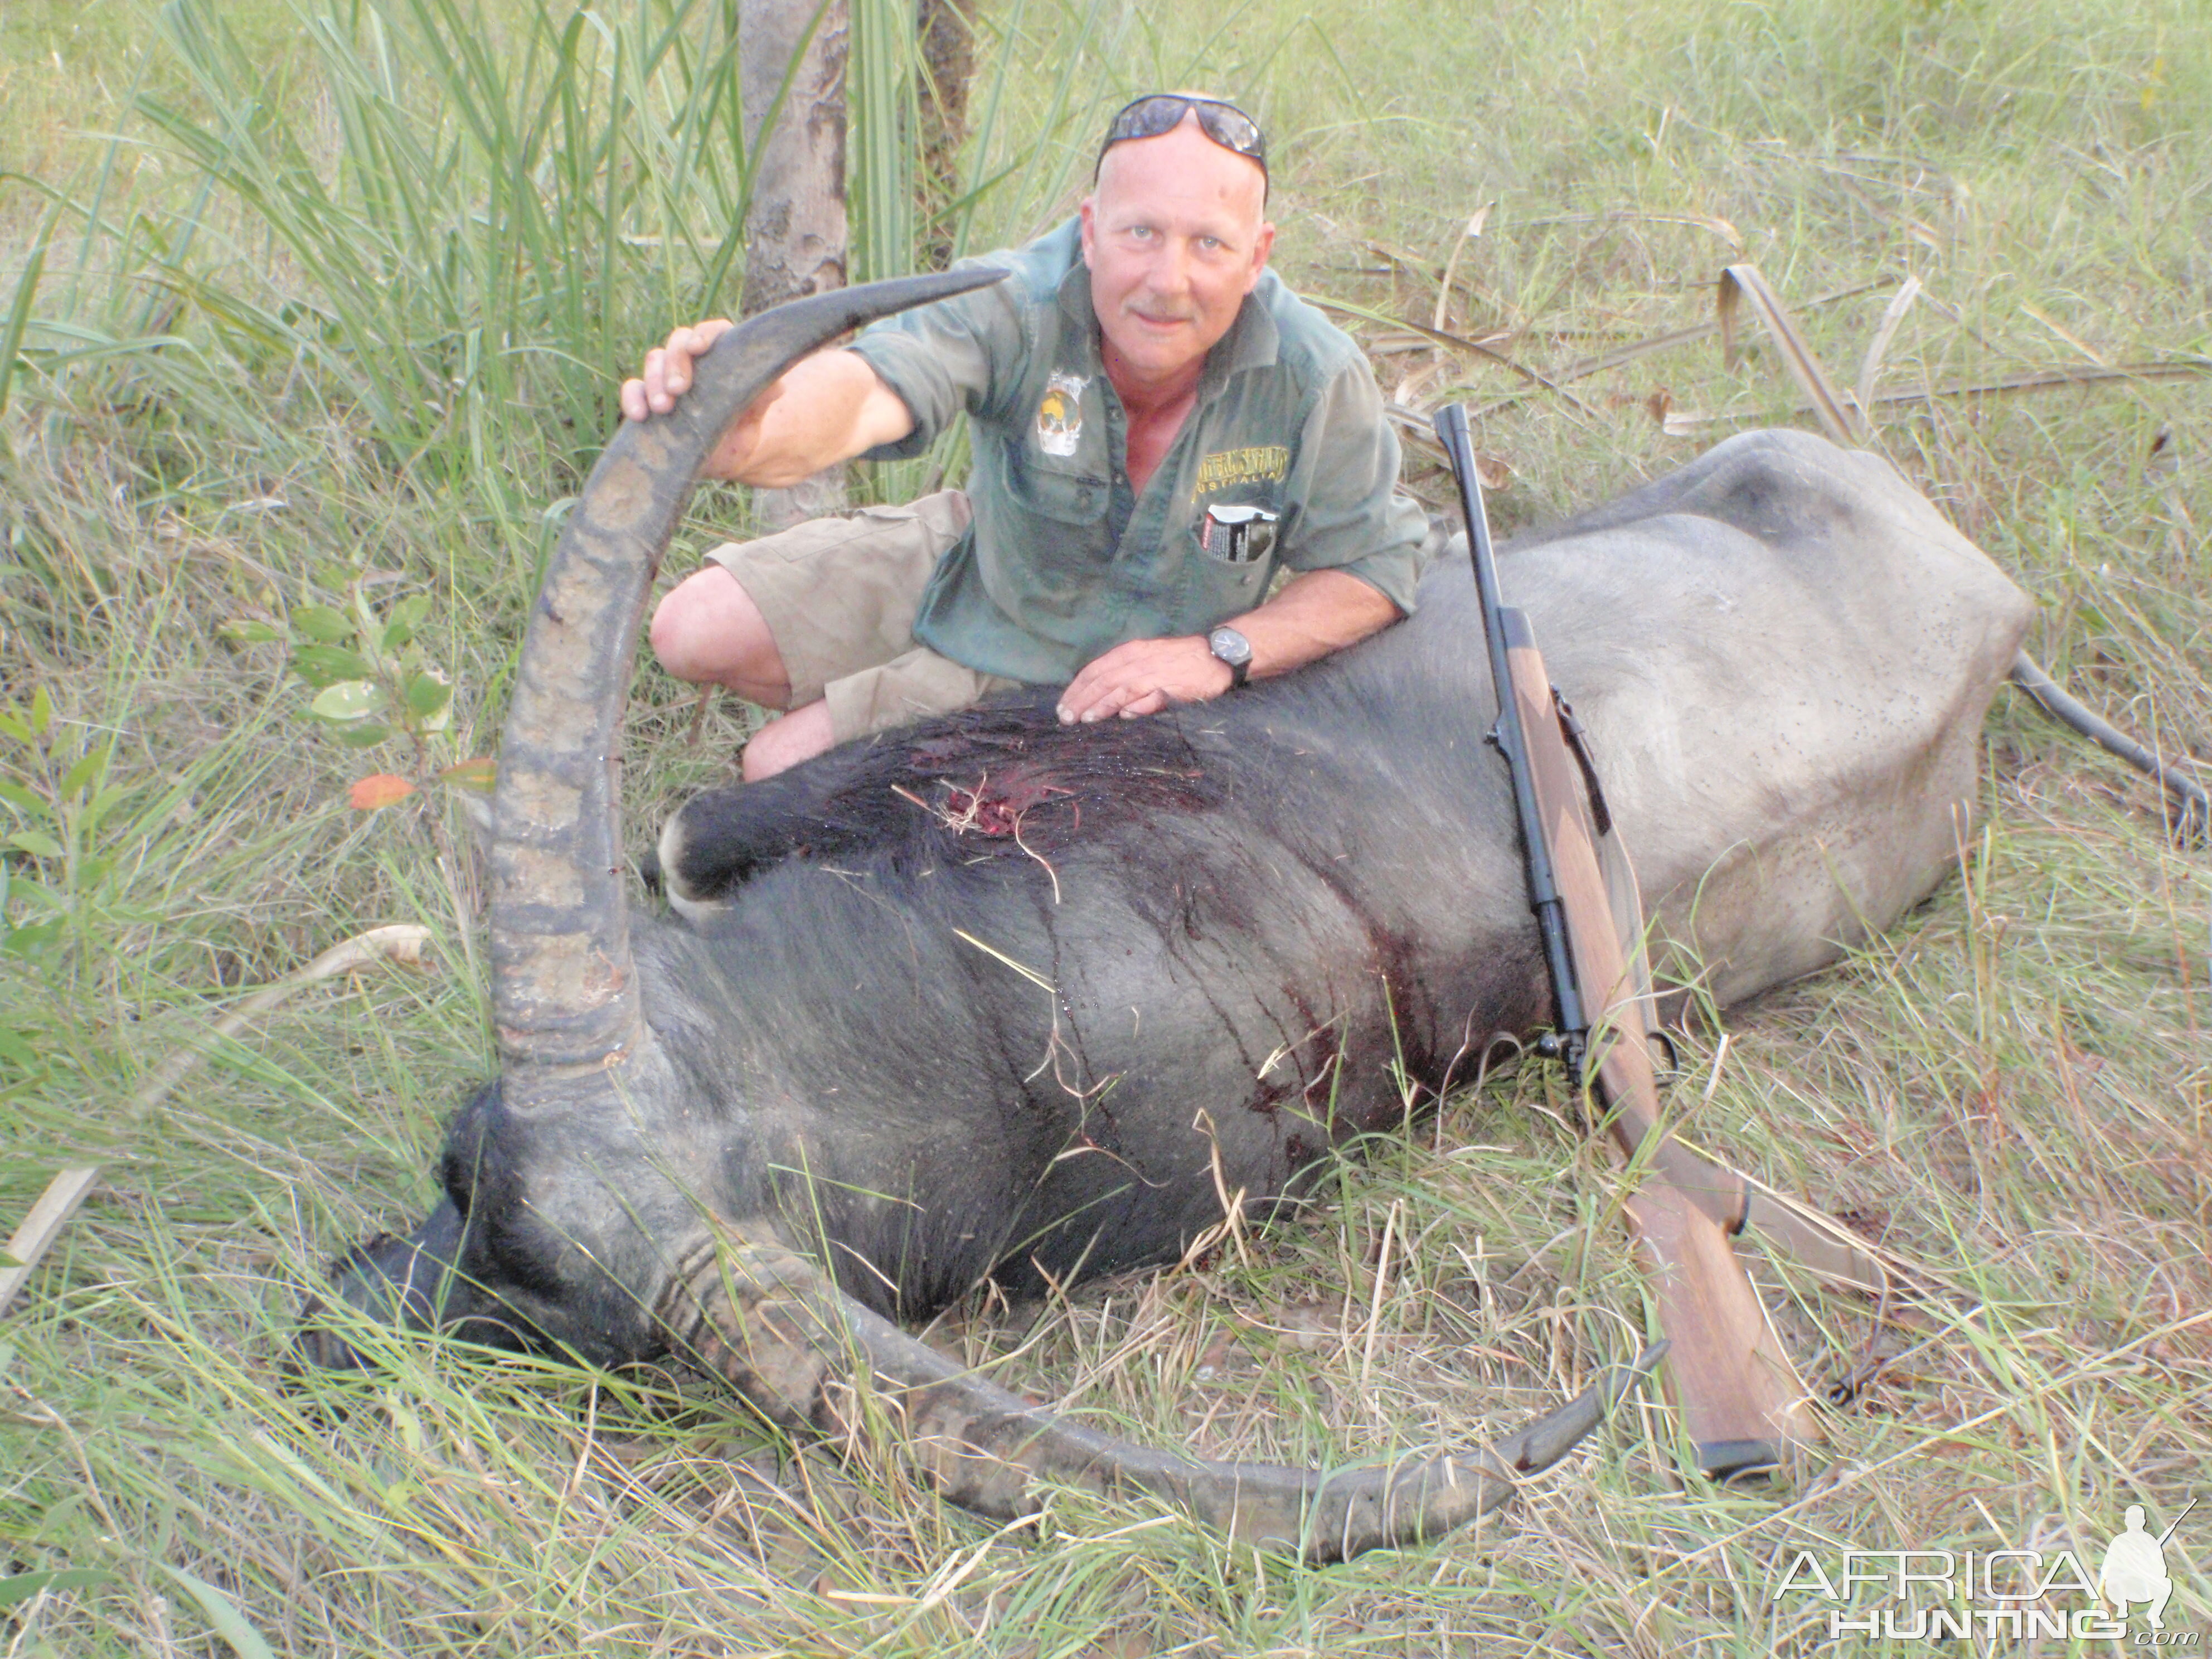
994 997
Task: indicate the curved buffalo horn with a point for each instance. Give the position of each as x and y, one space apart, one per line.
765 1319
564 990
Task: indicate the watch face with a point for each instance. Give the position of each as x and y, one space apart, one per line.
1231 647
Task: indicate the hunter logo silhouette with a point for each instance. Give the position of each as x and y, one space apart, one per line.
2134 1567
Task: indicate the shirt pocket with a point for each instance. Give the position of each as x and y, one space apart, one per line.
1067 495
1217 586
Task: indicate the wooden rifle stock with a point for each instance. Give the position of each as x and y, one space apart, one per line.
1741 1403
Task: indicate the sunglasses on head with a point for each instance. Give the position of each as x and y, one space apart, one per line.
1160 112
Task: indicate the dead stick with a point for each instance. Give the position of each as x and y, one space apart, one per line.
402 942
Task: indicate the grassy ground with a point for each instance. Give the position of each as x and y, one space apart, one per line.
370 358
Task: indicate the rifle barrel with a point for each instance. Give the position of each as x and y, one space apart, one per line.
1503 628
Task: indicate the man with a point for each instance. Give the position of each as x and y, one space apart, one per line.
1158 422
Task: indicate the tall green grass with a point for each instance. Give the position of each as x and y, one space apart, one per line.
475 203
319 295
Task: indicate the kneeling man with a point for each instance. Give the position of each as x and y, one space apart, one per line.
1158 424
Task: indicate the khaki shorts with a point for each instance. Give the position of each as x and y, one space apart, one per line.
839 596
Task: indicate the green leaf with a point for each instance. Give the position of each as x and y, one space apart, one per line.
366 619
42 712
480 775
243 631
427 694
362 734
349 700
18 319
25 1585
12 724
323 623
33 894
33 939
326 664
38 845
16 1052
221 1612
405 621
86 771
24 800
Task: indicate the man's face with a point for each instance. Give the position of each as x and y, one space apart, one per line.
1174 241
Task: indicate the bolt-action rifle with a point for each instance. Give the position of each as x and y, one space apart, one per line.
1741 1403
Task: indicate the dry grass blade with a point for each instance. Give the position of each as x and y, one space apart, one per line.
1454 342
1418 432
1620 356
2065 334
1747 282
401 943
1878 348
1471 229
1719 227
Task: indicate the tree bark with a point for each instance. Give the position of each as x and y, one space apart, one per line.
948 61
795 233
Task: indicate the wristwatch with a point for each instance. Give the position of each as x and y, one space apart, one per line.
1234 649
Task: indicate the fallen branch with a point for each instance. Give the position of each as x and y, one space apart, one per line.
2177 369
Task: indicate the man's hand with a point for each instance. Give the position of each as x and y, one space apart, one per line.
1316 612
825 409
1142 677
667 374
667 377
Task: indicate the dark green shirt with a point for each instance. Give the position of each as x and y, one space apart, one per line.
1064 560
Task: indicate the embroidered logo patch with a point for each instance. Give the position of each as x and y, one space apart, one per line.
1060 414
1228 467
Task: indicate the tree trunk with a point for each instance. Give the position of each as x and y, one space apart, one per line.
795 240
948 60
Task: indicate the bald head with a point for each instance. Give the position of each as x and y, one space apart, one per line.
1185 146
1176 236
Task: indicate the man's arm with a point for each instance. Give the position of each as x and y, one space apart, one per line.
826 409
1316 613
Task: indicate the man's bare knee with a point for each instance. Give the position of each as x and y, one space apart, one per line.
708 630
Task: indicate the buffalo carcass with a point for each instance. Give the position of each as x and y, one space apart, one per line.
992 997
